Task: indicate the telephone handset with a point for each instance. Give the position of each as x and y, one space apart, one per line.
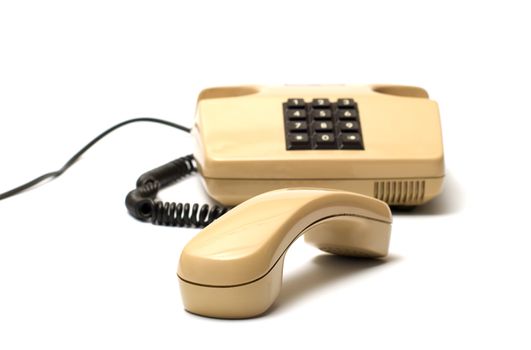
233 268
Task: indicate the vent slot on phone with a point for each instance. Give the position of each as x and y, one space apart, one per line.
400 192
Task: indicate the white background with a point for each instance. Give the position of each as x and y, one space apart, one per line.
76 272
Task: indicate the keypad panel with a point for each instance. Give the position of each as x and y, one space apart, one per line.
322 124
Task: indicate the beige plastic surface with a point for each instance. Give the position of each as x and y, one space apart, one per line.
241 144
233 268
394 192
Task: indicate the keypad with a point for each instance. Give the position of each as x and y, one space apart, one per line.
322 123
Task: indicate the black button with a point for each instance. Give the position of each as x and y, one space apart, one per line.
346 103
295 103
296 113
347 113
349 126
351 138
321 103
297 126
323 126
325 139
322 113
298 138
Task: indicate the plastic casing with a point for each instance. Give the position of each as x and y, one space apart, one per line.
233 268
241 149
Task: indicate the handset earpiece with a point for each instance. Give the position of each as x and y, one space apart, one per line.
233 268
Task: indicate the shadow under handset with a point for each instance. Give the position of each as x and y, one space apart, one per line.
324 270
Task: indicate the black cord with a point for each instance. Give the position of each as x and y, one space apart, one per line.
76 156
144 206
141 202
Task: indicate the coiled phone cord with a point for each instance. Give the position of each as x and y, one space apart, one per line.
141 202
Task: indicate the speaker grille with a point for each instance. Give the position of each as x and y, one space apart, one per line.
400 192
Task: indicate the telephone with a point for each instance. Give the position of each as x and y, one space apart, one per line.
319 161
382 141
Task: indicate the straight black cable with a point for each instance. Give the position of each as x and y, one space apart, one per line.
76 156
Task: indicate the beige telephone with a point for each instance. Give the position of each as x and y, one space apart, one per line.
372 141
365 147
382 141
